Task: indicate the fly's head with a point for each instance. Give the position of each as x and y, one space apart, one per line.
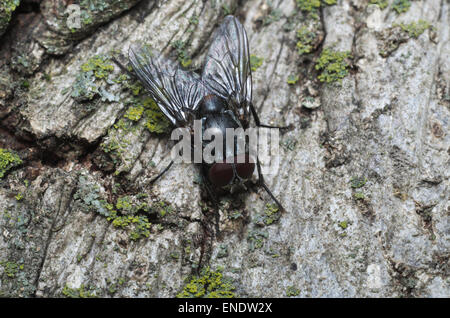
231 173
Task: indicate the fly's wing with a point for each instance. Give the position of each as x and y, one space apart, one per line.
227 71
176 91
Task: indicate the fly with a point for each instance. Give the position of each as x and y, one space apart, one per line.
221 97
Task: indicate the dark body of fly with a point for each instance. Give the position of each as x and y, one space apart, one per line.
221 97
216 116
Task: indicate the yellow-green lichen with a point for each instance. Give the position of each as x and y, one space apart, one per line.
392 38
210 284
358 182
333 65
91 79
271 213
401 6
305 40
130 213
359 196
141 225
312 6
380 3
291 291
11 268
155 120
308 5
414 29
100 65
255 62
343 224
134 113
8 160
292 79
182 53
256 239
274 15
80 292
7 7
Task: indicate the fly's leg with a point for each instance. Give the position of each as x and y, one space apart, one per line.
161 173
263 184
215 202
208 233
258 123
204 241
124 68
258 165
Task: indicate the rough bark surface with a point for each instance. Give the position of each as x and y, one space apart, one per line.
364 174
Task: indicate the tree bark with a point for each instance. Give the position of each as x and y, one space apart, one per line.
363 175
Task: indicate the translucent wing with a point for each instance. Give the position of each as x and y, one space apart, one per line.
227 70
177 92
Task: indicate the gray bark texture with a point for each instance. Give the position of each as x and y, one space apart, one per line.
363 175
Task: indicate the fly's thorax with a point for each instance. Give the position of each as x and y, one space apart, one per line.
212 104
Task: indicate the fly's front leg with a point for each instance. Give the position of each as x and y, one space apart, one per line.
258 123
123 68
263 184
215 202
161 173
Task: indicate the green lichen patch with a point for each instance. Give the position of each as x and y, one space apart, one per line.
182 52
140 225
343 224
414 29
7 8
359 196
380 3
289 143
306 40
274 15
270 215
144 107
333 65
401 6
81 292
256 239
134 113
255 62
130 213
308 5
19 196
10 269
292 291
358 182
155 120
292 79
92 80
312 6
100 66
142 114
390 39
8 160
210 284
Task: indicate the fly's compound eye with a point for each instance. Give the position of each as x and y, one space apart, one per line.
246 168
221 174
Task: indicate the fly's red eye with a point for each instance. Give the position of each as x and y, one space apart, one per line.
221 174
244 170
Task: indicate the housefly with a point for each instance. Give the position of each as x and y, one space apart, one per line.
221 97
